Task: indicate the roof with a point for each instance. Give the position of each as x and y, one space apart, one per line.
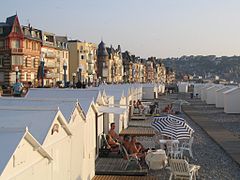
7 27
38 121
85 104
9 139
233 90
114 110
102 51
63 93
224 88
66 106
14 136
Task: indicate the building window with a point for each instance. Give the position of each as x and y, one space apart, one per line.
82 56
1 77
34 46
33 62
15 43
17 60
26 62
1 30
1 61
25 76
16 29
2 44
32 76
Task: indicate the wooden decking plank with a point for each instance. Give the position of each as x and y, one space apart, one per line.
115 166
106 177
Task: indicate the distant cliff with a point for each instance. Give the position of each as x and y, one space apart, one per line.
207 66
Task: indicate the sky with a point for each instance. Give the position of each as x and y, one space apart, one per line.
161 28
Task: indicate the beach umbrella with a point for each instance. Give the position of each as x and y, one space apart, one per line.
180 102
172 126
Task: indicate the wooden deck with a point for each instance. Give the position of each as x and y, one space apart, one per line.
124 178
136 131
116 166
136 117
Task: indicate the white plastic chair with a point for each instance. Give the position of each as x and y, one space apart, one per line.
181 169
173 150
188 146
130 158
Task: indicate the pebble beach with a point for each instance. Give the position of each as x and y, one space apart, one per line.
214 161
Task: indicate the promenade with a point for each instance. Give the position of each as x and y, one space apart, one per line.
223 128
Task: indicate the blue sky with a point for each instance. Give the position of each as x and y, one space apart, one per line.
162 28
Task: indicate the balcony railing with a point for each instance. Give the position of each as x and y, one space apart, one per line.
16 50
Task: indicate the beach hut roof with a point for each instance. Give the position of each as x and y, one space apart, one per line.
38 120
10 139
52 93
66 105
233 90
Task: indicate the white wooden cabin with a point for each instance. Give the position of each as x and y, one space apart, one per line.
183 87
211 94
204 91
148 91
232 101
220 96
197 90
49 128
22 156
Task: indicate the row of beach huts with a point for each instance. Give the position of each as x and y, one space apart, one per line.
222 96
55 134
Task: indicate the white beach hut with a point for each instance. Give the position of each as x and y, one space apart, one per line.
182 87
204 91
148 91
22 156
197 90
232 100
211 94
220 96
49 128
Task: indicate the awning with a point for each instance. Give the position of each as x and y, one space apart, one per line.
114 110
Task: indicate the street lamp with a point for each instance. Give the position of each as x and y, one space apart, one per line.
65 74
79 71
42 62
100 81
73 76
17 71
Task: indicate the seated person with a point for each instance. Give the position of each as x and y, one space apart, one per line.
126 142
166 109
113 134
136 149
112 144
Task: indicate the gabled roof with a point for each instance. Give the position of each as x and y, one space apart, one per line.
224 88
37 120
233 90
10 139
85 104
66 105
10 20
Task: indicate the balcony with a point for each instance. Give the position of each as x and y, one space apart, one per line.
51 75
50 55
16 50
